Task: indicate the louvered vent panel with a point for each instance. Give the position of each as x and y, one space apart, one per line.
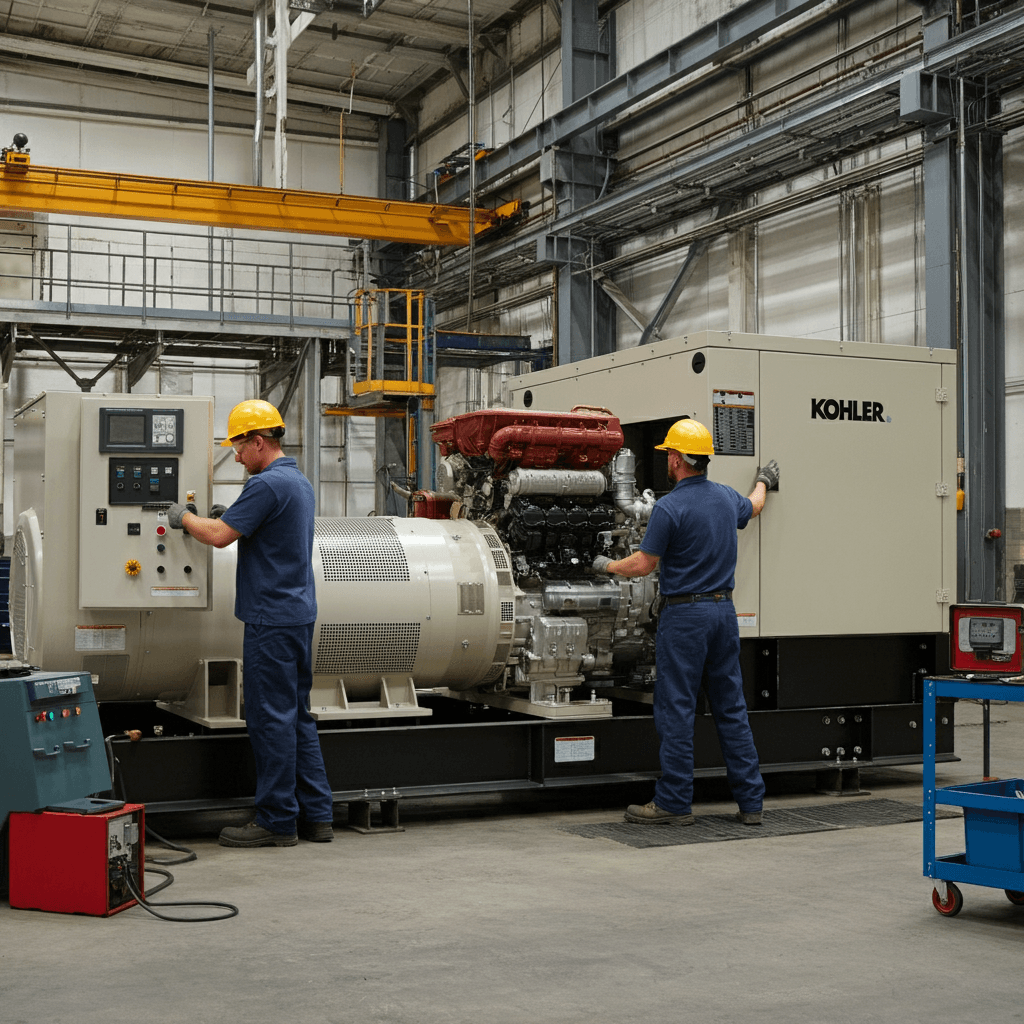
361 551
367 648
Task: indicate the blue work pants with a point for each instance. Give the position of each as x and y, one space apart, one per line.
277 676
692 637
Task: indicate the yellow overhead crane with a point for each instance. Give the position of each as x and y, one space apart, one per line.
24 187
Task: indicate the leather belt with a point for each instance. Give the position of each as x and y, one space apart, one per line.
717 595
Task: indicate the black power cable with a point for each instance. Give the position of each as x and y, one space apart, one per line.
132 884
133 888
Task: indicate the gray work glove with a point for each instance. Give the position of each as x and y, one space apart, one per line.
768 475
176 511
217 511
601 563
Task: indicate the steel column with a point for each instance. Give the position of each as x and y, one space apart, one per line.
982 523
577 175
259 37
311 418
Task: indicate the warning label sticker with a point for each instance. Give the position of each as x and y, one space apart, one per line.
747 620
100 638
574 748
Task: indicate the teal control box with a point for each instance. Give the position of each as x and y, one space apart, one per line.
51 742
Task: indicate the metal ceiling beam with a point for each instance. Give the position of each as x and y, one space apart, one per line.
709 45
100 194
743 150
193 74
410 28
800 129
995 36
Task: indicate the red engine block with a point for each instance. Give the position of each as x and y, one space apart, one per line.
584 438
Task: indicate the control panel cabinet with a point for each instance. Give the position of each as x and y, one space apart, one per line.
97 473
139 455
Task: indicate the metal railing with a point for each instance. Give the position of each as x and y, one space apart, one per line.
145 272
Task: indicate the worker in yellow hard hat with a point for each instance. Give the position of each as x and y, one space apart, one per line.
272 523
691 539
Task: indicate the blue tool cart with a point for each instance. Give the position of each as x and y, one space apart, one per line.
993 812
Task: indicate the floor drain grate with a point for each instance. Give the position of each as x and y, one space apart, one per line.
784 821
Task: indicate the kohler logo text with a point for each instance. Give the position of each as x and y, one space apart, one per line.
832 409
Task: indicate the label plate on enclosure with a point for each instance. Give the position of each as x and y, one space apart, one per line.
100 638
574 748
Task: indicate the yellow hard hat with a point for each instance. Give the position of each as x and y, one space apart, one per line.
253 414
688 437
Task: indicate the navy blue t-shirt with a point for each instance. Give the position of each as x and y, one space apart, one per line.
693 531
274 583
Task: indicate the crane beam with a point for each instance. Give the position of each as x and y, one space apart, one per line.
24 188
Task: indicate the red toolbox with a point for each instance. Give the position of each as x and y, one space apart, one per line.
76 863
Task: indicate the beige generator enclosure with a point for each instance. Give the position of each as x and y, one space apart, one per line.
859 543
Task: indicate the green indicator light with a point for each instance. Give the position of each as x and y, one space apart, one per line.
50 716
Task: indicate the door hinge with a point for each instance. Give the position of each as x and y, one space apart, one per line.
942 394
942 597
942 490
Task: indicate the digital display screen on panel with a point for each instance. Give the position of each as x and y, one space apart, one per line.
141 430
128 430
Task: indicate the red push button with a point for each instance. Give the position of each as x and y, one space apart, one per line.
161 530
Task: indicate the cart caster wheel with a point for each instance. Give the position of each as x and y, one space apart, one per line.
1016 898
954 901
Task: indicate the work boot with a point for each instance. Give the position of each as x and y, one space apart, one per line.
749 817
316 831
255 835
652 814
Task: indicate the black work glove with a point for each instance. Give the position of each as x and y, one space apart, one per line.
768 475
217 511
176 511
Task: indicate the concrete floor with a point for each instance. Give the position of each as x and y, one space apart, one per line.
503 917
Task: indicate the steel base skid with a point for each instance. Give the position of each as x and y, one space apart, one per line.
477 749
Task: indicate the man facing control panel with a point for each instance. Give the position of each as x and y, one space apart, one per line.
272 523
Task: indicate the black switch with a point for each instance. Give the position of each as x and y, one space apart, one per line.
101 517
135 529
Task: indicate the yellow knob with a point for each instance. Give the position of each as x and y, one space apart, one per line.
133 566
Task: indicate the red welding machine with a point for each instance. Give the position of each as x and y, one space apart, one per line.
77 863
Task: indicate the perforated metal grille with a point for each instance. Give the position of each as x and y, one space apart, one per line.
18 604
497 551
504 579
365 648
508 611
361 551
501 652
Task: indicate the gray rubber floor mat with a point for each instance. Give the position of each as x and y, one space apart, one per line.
783 821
